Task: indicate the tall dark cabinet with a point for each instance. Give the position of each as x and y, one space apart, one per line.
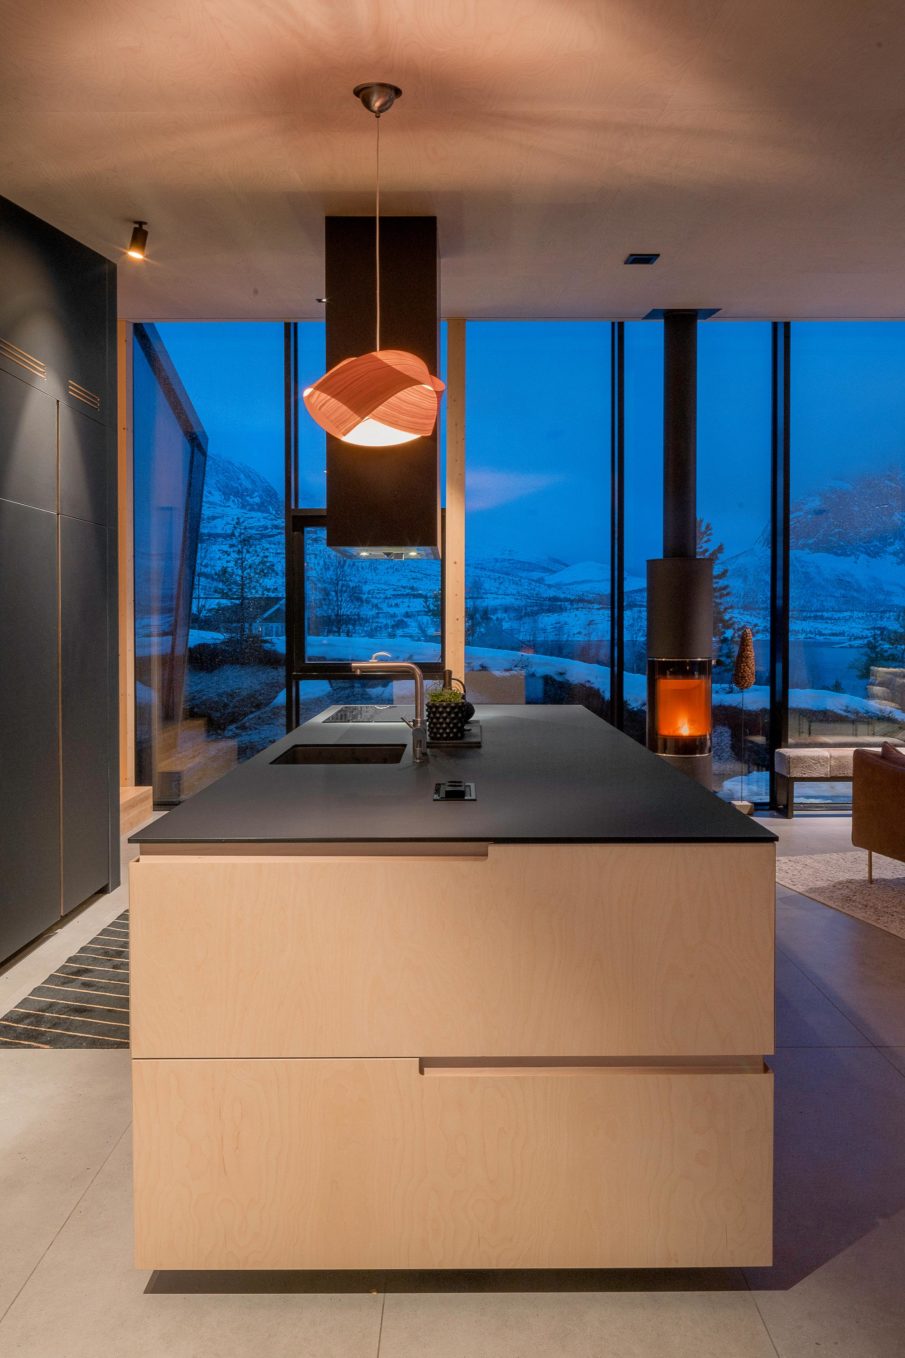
59 774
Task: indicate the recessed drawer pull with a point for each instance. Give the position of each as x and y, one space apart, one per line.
591 1065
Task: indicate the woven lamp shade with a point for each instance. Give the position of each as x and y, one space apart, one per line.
376 400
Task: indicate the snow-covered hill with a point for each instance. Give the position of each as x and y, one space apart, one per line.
848 583
847 571
235 487
236 495
863 517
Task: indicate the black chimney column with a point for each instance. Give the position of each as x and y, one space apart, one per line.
680 434
680 584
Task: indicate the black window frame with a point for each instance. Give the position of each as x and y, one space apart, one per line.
299 667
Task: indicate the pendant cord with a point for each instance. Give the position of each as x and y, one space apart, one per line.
377 234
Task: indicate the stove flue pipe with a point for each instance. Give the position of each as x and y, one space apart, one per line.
680 586
680 433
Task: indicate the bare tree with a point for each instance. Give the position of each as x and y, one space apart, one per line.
339 594
244 577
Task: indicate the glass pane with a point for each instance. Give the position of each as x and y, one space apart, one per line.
317 695
734 504
355 606
537 512
643 502
847 593
312 439
210 587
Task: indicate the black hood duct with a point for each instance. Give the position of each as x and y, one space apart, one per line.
680 585
383 501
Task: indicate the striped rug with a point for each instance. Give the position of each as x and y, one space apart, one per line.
84 1003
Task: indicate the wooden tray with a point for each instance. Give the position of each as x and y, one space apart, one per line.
472 739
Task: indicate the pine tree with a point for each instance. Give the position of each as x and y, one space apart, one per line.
724 625
243 578
884 646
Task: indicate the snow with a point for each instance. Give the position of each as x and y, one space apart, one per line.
311 688
747 787
586 574
345 649
755 787
848 579
807 699
198 635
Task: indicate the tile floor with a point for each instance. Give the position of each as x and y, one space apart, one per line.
67 1287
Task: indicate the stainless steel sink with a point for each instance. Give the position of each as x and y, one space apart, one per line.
341 754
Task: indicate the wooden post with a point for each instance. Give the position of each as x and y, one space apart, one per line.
454 563
126 563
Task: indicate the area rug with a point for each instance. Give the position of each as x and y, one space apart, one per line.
840 880
84 1003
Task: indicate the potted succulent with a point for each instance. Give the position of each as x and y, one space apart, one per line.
447 713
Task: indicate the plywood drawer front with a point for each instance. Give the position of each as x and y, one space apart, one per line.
636 950
370 1164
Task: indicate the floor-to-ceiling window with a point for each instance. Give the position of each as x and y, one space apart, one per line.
847 535
209 503
210 617
735 379
537 511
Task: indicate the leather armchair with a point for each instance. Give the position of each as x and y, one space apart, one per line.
878 806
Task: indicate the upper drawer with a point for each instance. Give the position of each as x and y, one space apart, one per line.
556 950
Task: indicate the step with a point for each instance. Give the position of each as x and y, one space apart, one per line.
136 807
183 737
182 776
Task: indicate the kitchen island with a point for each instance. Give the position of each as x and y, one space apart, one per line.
375 1030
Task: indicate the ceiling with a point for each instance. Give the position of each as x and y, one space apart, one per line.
759 145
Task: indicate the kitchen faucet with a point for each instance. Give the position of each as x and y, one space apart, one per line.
380 663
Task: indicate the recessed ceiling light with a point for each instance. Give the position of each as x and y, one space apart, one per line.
320 299
637 257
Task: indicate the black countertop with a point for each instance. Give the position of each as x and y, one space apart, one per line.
545 774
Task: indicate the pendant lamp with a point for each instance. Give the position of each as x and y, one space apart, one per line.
386 397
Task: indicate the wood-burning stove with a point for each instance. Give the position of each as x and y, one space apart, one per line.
680 584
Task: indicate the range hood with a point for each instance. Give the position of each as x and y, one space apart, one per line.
383 502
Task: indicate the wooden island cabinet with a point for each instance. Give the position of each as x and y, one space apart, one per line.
436 1053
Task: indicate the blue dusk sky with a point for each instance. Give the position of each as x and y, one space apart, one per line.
538 422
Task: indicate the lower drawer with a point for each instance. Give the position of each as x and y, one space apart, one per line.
385 1163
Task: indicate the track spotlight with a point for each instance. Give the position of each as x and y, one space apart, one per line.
138 245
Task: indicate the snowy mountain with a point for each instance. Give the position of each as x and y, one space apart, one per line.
821 582
863 517
234 487
848 573
847 561
588 577
236 496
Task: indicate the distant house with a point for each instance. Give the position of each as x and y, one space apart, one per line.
272 621
253 614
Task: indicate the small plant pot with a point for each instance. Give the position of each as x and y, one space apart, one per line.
446 721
